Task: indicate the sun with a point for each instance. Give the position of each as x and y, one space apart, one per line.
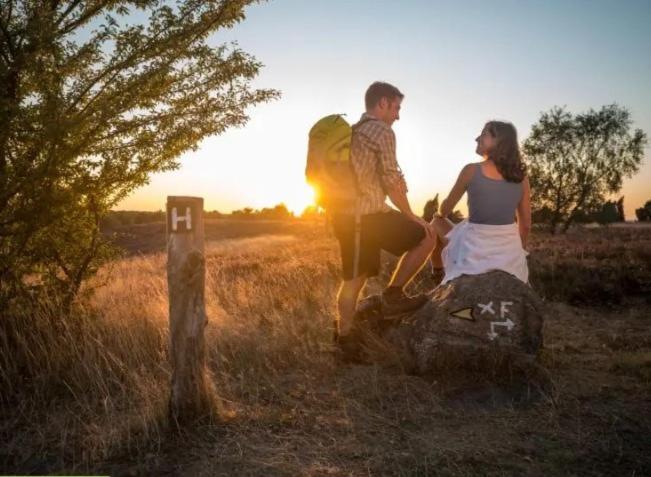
298 197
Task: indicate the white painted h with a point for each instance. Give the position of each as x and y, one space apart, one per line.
187 218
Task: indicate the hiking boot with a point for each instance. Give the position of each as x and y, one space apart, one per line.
437 276
349 349
394 301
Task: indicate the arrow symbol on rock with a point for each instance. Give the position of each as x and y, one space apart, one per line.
508 324
464 314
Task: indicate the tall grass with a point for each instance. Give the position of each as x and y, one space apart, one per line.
80 390
83 387
606 266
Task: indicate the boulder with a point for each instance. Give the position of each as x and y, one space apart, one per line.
469 318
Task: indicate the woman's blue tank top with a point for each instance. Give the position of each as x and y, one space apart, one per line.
492 201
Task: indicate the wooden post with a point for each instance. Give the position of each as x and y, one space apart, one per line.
191 394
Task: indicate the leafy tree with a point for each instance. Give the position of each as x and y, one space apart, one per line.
605 213
608 214
432 206
621 217
643 214
312 212
91 104
574 161
278 212
245 213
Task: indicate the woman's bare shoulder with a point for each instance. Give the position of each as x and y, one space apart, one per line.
469 170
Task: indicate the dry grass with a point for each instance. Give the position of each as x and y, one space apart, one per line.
89 394
593 267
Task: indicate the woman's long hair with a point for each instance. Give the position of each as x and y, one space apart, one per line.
506 153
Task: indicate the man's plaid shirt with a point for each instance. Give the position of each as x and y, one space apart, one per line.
373 157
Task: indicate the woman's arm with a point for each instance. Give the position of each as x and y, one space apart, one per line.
447 206
524 212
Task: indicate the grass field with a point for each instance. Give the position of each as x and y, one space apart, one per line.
88 394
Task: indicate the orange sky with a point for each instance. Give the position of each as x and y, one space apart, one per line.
459 65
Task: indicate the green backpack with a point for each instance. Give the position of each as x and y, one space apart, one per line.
328 168
330 171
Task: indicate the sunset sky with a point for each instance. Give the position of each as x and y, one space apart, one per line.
459 64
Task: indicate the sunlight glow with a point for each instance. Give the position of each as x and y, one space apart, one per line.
298 197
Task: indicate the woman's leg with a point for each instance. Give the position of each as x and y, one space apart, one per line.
442 226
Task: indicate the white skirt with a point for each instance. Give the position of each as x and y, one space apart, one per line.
477 248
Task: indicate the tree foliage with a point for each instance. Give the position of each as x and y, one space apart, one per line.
91 104
432 206
575 161
643 214
278 212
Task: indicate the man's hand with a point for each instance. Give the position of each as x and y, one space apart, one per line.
430 231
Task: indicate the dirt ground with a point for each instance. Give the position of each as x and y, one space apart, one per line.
361 420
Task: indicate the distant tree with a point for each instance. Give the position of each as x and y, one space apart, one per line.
432 206
312 212
608 214
621 217
643 214
575 161
245 213
91 104
541 215
604 213
278 212
116 218
213 214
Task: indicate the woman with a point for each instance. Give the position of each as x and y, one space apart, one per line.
498 190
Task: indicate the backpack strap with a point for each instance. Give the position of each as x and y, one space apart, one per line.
358 215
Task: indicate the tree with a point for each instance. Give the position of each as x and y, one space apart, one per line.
278 212
608 214
312 212
89 111
432 206
604 213
575 161
643 214
621 217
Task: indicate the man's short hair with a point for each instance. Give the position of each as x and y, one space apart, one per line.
379 90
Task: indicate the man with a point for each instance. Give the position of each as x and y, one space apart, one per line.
402 233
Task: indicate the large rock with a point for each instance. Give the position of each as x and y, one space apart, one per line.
471 317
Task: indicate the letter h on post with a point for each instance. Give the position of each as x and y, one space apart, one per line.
187 219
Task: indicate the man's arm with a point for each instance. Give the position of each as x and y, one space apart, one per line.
390 172
398 197
393 180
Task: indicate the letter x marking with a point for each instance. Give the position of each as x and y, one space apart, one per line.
488 307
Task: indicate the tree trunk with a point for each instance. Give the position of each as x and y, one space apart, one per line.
191 393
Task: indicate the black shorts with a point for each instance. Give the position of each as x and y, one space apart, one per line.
391 231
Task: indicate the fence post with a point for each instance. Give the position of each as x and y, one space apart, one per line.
190 396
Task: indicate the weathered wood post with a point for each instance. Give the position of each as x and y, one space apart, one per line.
191 394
